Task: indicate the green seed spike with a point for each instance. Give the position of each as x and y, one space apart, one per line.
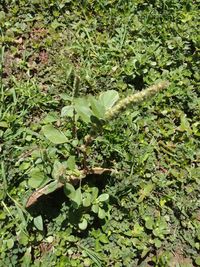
135 99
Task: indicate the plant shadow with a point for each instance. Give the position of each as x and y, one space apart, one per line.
49 206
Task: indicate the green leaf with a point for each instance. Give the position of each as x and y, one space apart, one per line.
71 164
52 117
51 187
138 230
2 16
197 261
103 239
67 111
93 255
101 213
4 124
87 201
149 222
97 108
37 179
27 258
109 98
103 198
185 125
161 228
82 109
54 135
55 24
146 191
10 243
69 190
66 96
59 169
83 225
77 198
38 222
74 195
157 242
24 166
95 192
22 238
95 208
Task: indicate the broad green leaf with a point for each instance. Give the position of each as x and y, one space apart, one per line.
83 225
101 213
21 215
24 166
87 201
95 192
59 169
49 239
103 198
66 97
161 228
77 198
27 258
158 232
38 222
82 109
71 164
4 124
37 179
149 222
97 107
10 243
54 135
52 117
103 239
95 208
2 16
109 98
69 190
145 192
22 238
138 230
51 187
67 111
197 261
157 242
185 125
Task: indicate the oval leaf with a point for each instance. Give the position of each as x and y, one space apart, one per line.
82 109
83 225
53 186
97 107
77 198
71 163
109 98
10 243
67 111
54 135
38 222
95 208
87 201
37 179
69 190
103 198
101 213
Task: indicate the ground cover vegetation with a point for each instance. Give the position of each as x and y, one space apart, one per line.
85 181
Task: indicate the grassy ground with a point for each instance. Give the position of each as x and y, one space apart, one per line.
51 50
